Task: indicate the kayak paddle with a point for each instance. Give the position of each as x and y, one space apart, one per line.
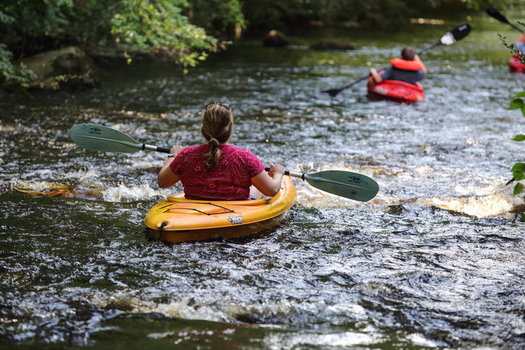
492 12
342 183
449 38
101 138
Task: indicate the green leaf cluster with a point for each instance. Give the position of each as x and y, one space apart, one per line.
159 27
511 47
211 15
19 74
518 169
20 22
262 14
145 27
517 102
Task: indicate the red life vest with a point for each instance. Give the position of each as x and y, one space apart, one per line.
400 63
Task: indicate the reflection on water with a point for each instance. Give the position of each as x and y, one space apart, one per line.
433 261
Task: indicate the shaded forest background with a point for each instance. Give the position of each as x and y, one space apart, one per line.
184 31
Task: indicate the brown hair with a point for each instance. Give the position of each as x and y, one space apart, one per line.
217 126
408 53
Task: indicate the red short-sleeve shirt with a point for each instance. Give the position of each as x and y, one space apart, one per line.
229 180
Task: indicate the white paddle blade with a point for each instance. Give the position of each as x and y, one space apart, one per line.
447 39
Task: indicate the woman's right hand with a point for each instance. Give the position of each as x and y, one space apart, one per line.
276 169
269 183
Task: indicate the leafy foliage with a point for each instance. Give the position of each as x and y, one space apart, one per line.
483 4
146 27
30 24
511 47
17 74
517 102
159 27
271 14
184 31
210 14
518 169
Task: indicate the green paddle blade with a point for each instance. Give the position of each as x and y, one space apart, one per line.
100 138
344 183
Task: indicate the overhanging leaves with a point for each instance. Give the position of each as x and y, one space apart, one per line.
517 189
518 171
516 103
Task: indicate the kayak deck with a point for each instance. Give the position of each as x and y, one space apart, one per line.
177 219
395 90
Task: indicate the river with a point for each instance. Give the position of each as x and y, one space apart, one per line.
435 260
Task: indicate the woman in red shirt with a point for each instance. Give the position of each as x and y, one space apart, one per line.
217 170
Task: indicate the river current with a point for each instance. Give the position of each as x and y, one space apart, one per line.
435 260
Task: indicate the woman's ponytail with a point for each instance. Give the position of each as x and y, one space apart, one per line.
217 126
212 157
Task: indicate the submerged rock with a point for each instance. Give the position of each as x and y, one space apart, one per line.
52 189
68 67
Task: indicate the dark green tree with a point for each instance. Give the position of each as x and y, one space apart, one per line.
184 31
152 27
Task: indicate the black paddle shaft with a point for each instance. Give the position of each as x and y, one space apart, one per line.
286 172
492 12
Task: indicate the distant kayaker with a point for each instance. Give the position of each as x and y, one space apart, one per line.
217 170
408 68
520 44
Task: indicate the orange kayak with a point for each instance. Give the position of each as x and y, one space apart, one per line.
395 90
177 219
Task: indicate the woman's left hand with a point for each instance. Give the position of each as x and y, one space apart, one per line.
176 149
